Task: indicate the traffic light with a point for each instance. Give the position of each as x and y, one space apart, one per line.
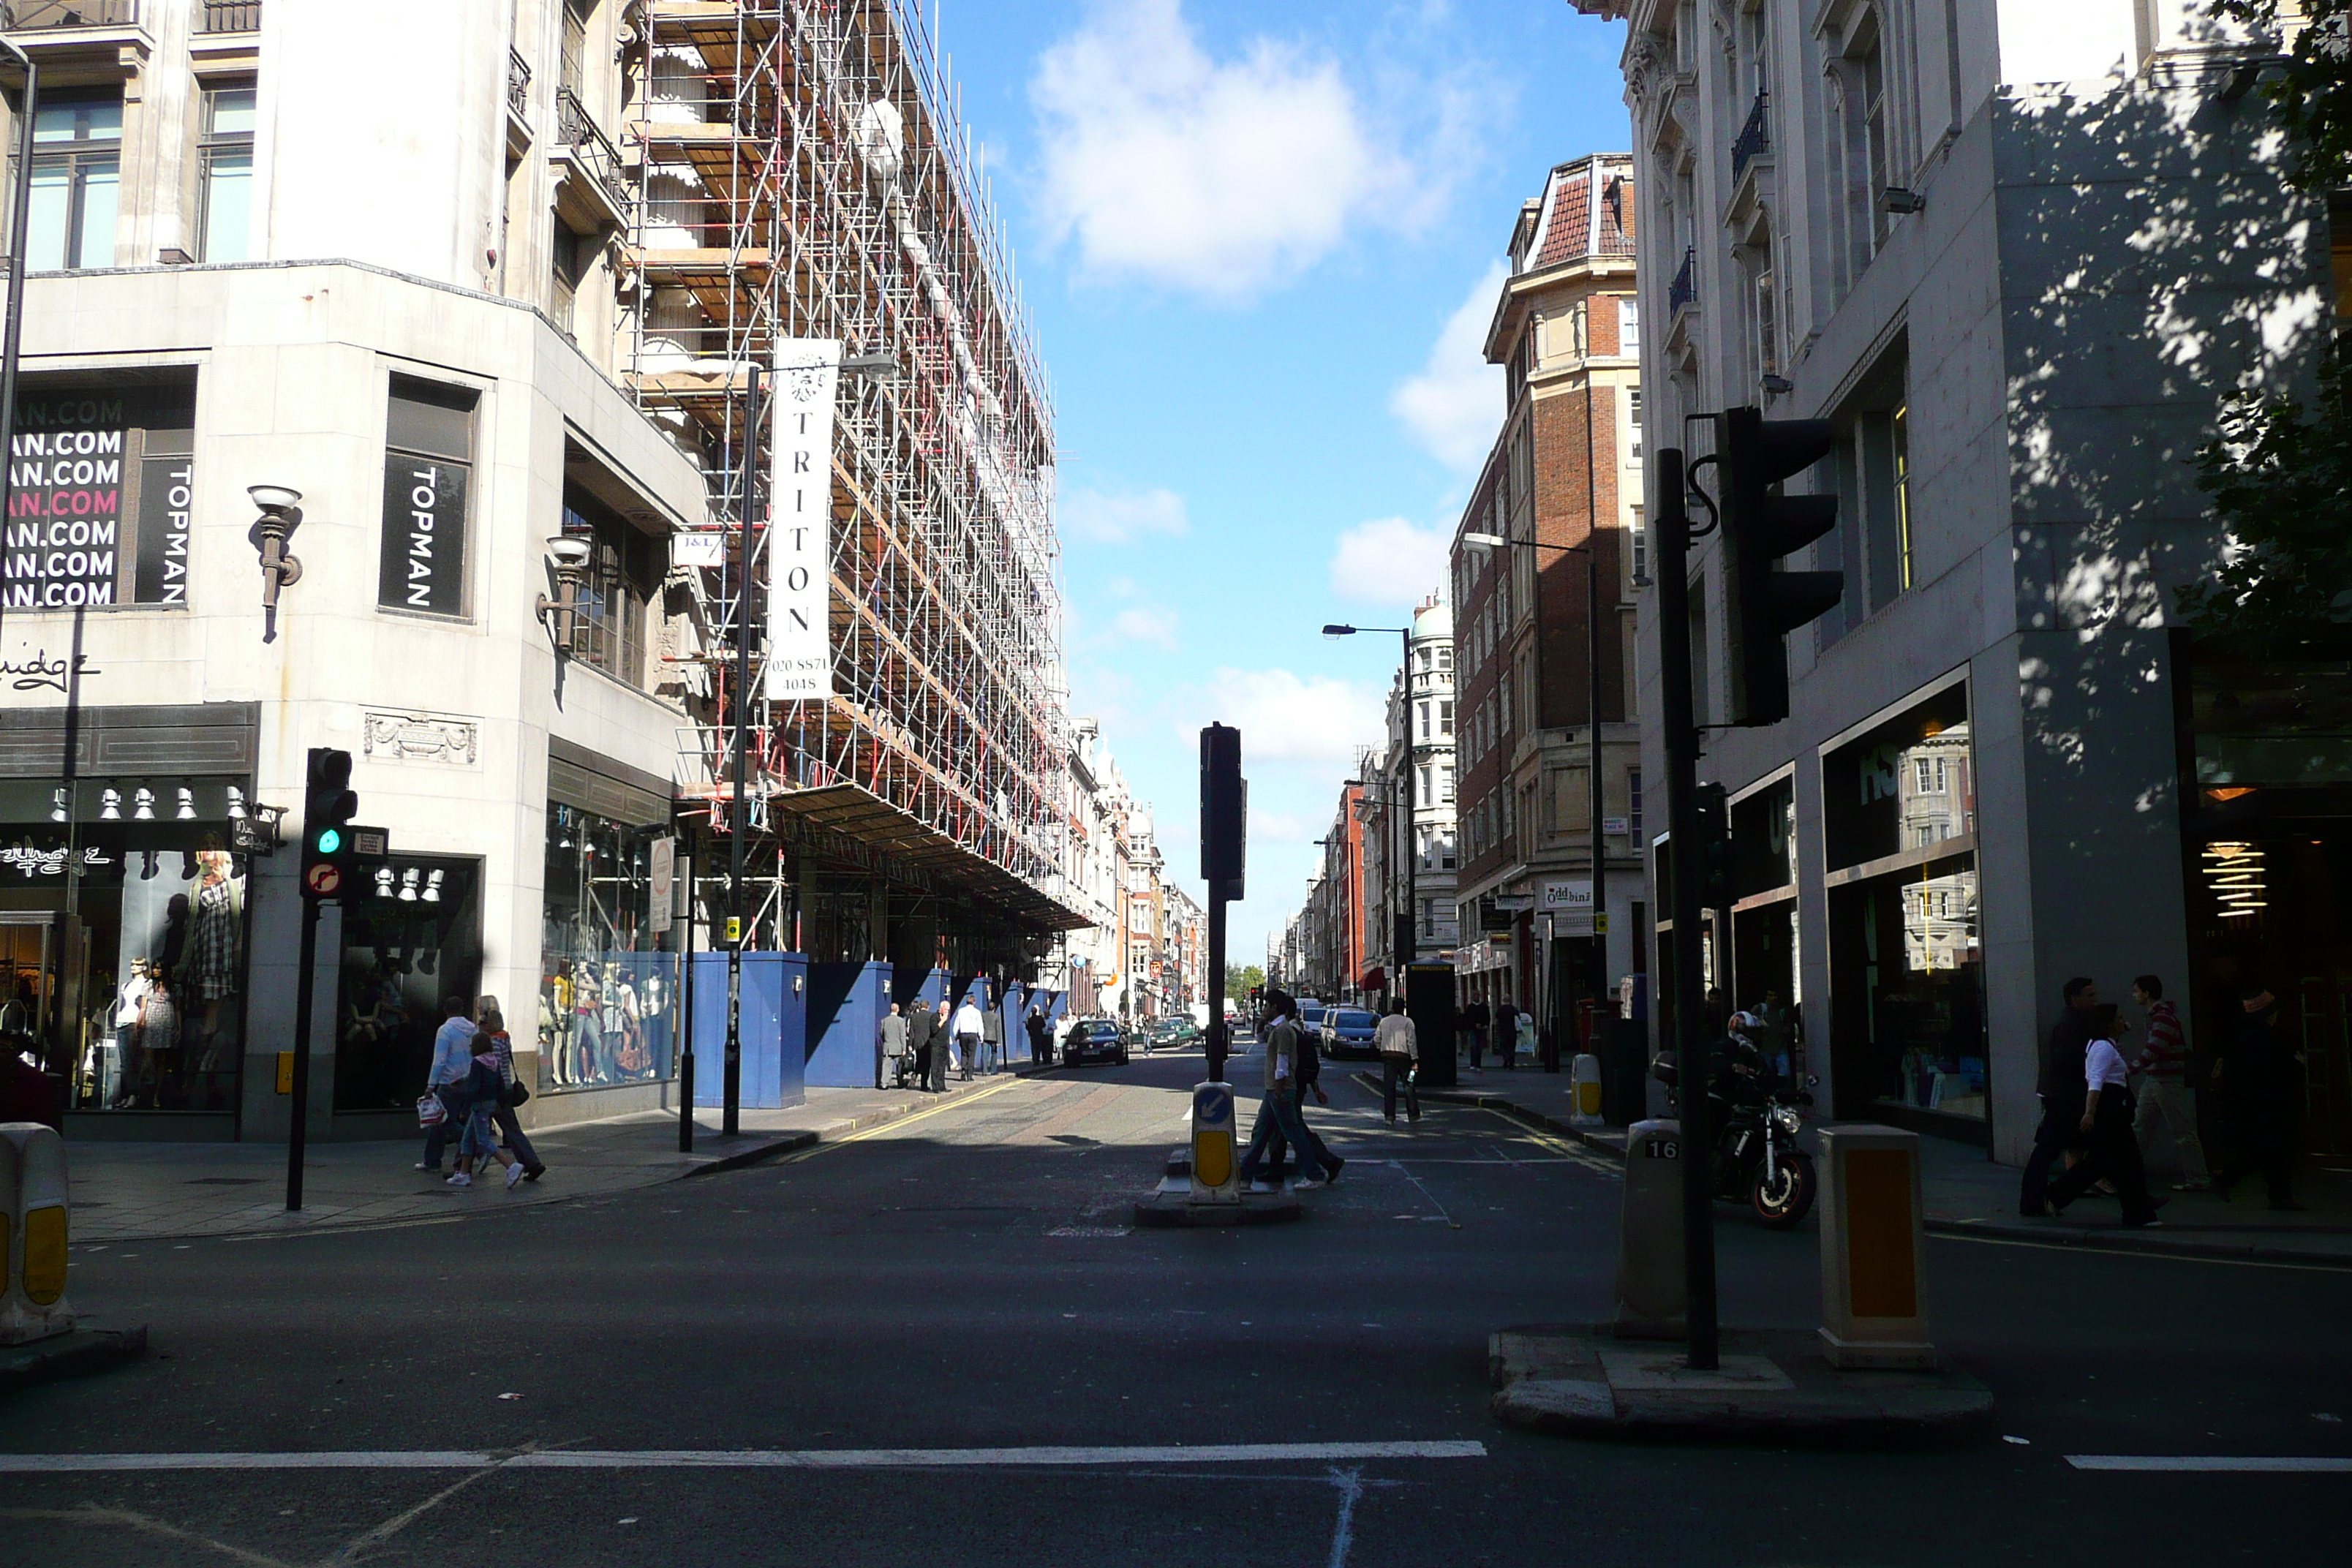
1762 602
329 856
1711 823
1225 811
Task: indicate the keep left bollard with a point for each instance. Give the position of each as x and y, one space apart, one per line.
1585 1079
34 1204
1874 1250
1215 1165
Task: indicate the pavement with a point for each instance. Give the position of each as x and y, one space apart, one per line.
127 1192
1967 1194
941 1340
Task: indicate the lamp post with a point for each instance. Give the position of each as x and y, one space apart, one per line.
1592 728
1401 930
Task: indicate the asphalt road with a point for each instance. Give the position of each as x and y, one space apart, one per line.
966 1280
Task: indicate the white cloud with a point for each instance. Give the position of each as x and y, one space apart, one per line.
1455 404
1284 716
1277 828
1389 561
1146 624
1122 519
1216 176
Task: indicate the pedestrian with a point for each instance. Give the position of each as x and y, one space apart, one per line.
452 1059
921 1025
1277 1111
482 1090
2059 1088
2107 1122
941 1049
1506 1033
1399 1046
2163 1088
966 1030
2260 1079
991 1038
889 1046
1041 1036
494 1024
1474 1019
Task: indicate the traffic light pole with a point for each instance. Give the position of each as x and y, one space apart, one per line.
1217 984
685 1035
305 986
1673 542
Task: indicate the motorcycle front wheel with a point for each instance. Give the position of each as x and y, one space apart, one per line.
1783 1194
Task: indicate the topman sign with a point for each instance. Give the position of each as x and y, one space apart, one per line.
800 520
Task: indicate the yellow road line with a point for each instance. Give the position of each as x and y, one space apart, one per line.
958 1103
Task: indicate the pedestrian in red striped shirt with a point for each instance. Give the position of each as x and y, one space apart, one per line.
2164 1094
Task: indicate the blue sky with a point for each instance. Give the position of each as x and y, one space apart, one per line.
1259 244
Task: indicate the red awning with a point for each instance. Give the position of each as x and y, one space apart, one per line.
1375 979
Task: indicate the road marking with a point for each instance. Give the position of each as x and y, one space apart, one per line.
896 1124
2210 1463
738 1458
2079 1250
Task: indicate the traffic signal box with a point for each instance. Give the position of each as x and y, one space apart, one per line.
336 851
1762 602
1225 811
1711 813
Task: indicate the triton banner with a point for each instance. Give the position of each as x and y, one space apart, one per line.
800 520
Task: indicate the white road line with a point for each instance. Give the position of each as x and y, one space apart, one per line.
2284 1465
741 1458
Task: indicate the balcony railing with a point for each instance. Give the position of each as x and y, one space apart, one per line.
1753 138
230 16
30 16
595 151
1684 288
517 84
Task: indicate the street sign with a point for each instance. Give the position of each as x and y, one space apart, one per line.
370 843
324 879
734 927
249 836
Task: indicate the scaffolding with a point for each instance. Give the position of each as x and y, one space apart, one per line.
800 173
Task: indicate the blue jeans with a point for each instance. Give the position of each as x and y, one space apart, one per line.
1278 1121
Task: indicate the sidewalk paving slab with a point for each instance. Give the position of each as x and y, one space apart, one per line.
1968 1195
132 1191
70 1354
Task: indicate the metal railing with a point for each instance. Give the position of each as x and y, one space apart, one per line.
30 16
517 84
1684 288
577 130
1753 138
230 16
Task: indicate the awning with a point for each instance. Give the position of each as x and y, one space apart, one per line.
1376 978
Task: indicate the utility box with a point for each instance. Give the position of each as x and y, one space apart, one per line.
1584 1076
1651 1298
1216 1163
1874 1250
34 1218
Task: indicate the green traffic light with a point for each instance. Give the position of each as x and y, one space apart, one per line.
329 840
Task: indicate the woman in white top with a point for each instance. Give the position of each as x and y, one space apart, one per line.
2107 1118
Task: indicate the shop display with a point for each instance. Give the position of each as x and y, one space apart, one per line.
607 1012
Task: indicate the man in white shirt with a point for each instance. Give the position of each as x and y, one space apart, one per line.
1399 1046
1277 1112
966 1027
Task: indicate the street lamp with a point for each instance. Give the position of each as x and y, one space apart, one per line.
1401 930
569 551
281 515
1599 860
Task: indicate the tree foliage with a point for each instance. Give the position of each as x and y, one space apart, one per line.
1240 979
2312 85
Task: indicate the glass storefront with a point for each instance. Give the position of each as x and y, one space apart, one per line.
1905 948
608 977
413 937
123 934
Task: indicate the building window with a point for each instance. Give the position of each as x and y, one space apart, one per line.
1872 70
1902 489
1424 720
1633 420
1641 552
1445 783
623 580
1633 804
573 253
607 988
1767 316
77 179
226 164
1628 328
428 472
1446 718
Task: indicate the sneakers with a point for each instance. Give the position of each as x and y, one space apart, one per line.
460 1180
514 1174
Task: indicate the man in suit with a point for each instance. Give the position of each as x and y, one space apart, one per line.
2062 1091
939 1050
889 1046
1041 1038
920 1028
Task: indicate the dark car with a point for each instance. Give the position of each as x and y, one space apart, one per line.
1097 1040
1348 1032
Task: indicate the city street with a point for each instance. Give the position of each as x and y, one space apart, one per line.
966 1280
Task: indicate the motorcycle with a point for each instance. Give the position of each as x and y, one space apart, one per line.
1755 1114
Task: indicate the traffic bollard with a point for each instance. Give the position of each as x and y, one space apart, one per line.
1652 1303
1216 1168
1874 1250
1585 1081
33 1224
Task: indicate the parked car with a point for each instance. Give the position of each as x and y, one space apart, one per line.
1348 1032
1310 1016
1098 1040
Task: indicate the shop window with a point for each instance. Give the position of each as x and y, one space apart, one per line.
76 182
608 987
105 483
618 592
412 935
227 171
428 473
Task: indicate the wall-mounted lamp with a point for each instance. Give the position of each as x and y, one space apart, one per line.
281 515
880 366
1778 385
570 554
1895 199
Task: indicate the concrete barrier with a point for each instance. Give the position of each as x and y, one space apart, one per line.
35 1218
